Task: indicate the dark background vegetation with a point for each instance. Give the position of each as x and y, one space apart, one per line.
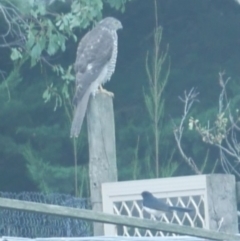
203 38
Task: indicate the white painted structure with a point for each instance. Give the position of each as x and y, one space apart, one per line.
200 193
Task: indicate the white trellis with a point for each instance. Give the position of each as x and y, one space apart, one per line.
124 198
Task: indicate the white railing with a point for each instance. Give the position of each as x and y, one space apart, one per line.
124 198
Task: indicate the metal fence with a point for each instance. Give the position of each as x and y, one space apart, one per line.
24 224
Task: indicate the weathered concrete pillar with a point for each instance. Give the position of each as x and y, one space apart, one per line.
221 203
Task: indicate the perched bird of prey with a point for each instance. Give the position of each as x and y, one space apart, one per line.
157 207
95 64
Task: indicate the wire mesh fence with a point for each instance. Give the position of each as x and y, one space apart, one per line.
27 224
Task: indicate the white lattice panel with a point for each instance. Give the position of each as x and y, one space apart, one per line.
124 198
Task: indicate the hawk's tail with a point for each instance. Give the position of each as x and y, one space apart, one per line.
181 209
79 114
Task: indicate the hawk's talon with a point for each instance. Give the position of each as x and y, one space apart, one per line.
104 91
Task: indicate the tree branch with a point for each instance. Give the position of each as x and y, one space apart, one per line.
188 100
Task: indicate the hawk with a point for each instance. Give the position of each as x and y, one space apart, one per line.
95 64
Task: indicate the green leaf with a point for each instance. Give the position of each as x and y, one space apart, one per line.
46 95
36 51
30 39
33 13
31 2
42 41
59 22
61 42
42 8
51 49
74 37
15 54
65 91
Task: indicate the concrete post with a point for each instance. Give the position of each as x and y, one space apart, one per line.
222 203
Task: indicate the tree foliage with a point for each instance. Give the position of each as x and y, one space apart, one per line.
35 33
38 42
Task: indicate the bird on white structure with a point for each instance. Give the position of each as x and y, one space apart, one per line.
94 66
157 207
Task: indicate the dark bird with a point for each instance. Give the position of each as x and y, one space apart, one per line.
157 207
94 66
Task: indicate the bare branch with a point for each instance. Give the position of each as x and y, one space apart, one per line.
15 23
188 100
223 133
